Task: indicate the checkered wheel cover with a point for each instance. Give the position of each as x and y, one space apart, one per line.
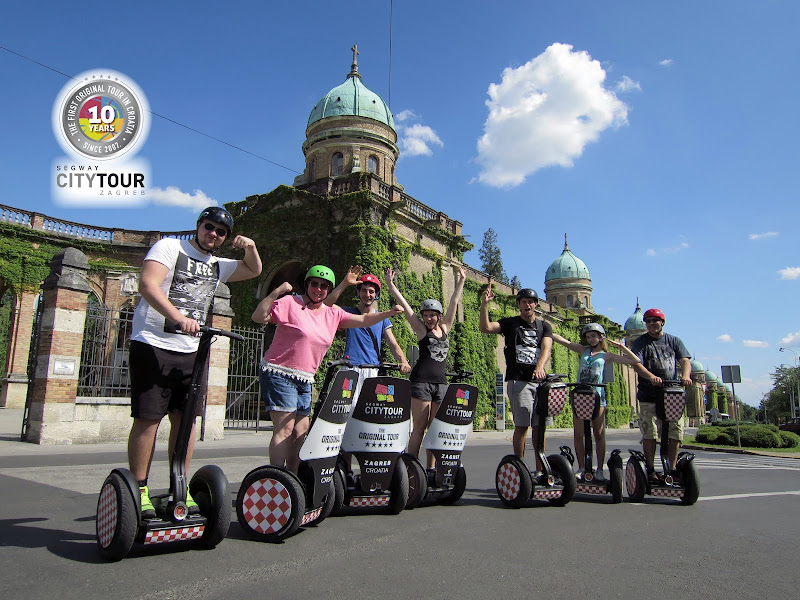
107 512
583 403
267 506
674 401
556 400
509 482
162 536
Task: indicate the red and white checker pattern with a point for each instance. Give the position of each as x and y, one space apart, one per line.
547 494
674 402
311 516
363 501
587 488
556 400
667 492
161 536
583 403
107 509
267 506
508 482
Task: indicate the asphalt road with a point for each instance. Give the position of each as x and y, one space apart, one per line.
738 541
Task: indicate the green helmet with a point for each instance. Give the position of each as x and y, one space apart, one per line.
321 272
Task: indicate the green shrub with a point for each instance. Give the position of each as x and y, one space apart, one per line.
789 439
760 436
708 434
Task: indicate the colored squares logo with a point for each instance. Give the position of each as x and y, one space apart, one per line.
462 397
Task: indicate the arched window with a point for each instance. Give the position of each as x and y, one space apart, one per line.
337 164
586 301
569 301
312 169
372 164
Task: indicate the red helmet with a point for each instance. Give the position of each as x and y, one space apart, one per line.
367 278
654 312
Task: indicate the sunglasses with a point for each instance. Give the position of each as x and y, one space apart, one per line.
219 230
652 320
323 285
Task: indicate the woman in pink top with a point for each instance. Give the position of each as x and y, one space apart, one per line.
305 330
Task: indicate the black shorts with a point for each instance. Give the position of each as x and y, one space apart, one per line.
160 381
428 392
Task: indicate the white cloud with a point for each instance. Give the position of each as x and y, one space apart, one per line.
682 245
758 236
172 196
543 114
626 84
651 252
417 139
725 338
667 62
791 339
754 344
789 273
404 115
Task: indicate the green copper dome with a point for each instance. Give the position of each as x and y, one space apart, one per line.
567 266
352 98
636 321
697 366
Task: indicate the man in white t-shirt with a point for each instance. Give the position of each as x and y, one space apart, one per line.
177 284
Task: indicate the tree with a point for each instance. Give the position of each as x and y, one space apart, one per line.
489 253
778 400
515 284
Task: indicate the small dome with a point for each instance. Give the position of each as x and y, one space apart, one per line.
710 376
697 366
636 321
567 266
352 98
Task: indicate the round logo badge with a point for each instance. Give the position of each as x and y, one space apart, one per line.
101 115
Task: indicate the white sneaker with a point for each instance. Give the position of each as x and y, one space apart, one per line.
579 474
599 476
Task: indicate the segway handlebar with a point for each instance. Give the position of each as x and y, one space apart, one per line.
383 367
461 374
172 327
577 383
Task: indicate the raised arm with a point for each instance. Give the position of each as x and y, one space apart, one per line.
353 273
250 265
264 308
625 356
416 324
450 316
370 319
571 345
487 326
396 351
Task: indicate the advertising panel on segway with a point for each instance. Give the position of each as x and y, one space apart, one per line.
273 502
377 435
119 513
515 483
445 439
585 401
682 482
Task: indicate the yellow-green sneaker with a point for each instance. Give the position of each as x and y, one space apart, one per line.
148 510
191 504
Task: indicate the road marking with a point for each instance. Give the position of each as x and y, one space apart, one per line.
756 495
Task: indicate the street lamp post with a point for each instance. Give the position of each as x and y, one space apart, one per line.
797 380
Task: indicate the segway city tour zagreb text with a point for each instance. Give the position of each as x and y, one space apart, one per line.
681 483
445 439
273 502
516 484
119 520
585 400
376 435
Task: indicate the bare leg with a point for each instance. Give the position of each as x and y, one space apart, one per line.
141 444
520 435
649 447
433 410
599 427
282 431
673 447
301 426
421 417
577 437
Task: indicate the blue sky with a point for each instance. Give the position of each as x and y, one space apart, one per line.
659 136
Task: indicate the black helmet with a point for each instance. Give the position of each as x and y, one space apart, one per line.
527 293
218 215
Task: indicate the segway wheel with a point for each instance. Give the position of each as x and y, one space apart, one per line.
562 469
398 488
327 503
417 481
513 482
690 482
635 480
117 520
209 488
270 504
459 485
616 483
338 492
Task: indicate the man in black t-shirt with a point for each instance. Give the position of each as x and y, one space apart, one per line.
529 342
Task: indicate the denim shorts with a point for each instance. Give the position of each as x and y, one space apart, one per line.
285 394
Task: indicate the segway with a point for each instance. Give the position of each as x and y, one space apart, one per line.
119 508
377 435
516 484
585 400
273 502
686 487
445 438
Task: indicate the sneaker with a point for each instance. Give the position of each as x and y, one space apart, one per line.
599 476
579 474
191 505
148 510
652 476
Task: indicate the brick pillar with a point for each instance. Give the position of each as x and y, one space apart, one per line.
15 383
217 391
55 383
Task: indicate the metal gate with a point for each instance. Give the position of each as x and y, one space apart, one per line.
243 403
33 354
104 368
